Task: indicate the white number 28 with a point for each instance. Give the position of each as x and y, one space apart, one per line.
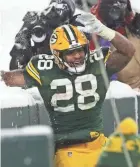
69 90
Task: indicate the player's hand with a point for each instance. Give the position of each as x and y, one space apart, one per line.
91 23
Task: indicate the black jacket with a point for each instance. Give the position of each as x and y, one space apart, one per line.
29 41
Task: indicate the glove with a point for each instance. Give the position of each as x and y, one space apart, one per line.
93 25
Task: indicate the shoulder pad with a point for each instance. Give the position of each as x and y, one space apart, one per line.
30 17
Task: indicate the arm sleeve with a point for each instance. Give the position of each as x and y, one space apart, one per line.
31 74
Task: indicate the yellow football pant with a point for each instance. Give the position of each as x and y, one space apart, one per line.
80 155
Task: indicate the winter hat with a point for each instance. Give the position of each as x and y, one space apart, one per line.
128 126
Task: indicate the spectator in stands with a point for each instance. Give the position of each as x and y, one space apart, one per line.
37 29
113 153
119 16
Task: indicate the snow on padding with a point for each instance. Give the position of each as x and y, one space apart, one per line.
14 97
120 90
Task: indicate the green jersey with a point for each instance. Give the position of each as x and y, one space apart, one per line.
73 101
113 154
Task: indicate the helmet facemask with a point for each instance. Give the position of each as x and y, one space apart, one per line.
79 64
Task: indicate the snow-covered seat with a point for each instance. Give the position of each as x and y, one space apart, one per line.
21 107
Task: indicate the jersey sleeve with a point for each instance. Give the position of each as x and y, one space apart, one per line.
31 73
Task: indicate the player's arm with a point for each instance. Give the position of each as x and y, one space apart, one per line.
27 77
123 45
13 78
121 55
124 48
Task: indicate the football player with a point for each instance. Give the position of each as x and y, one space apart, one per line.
73 88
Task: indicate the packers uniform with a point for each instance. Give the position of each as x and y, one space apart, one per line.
74 103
